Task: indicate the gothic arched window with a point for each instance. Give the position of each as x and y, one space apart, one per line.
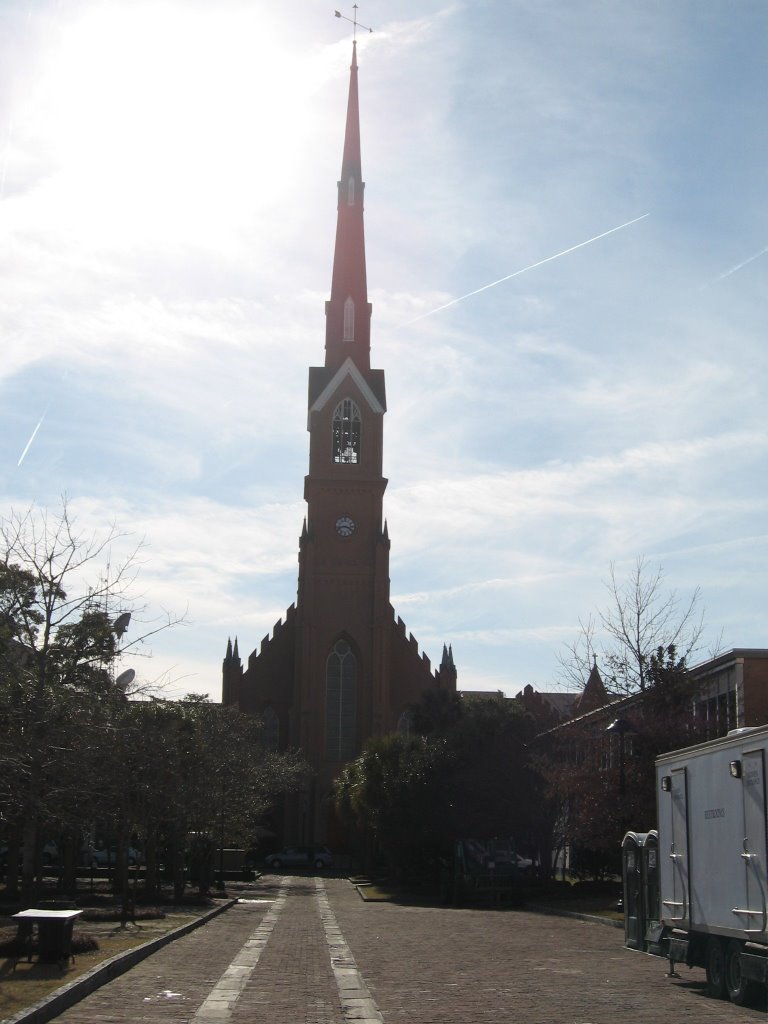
341 703
271 729
349 320
351 192
405 723
346 432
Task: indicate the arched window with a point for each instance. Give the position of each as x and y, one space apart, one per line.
405 723
349 320
341 703
271 729
346 432
351 192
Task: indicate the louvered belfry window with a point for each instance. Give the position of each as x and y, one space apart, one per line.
341 703
346 432
349 320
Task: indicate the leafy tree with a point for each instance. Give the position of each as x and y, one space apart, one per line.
467 776
491 785
437 712
193 769
75 751
641 617
395 795
58 648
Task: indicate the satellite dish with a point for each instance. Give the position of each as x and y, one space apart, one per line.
120 624
125 679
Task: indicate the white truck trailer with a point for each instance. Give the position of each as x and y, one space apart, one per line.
713 859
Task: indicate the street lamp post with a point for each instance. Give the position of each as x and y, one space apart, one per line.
621 726
220 885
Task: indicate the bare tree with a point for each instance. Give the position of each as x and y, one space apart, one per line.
641 616
577 657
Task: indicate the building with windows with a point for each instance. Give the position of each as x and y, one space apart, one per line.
340 667
729 691
598 757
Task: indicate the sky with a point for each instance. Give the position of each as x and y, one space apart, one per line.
167 212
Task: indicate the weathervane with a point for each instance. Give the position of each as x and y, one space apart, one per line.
354 21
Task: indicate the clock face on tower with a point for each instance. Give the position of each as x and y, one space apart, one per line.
345 526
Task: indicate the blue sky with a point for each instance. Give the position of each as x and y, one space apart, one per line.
168 186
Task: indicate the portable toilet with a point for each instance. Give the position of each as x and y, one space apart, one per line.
634 889
651 893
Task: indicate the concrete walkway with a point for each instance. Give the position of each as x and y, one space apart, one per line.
310 951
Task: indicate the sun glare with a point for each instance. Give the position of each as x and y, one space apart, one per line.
166 120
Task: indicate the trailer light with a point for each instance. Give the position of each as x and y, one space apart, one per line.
735 769
666 783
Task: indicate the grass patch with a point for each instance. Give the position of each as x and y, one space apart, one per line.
115 914
375 893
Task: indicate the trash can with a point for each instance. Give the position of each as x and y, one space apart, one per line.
54 933
634 896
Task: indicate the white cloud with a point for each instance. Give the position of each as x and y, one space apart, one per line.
165 254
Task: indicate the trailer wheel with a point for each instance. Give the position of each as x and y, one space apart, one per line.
739 987
714 959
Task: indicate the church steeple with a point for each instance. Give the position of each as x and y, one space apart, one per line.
342 667
348 313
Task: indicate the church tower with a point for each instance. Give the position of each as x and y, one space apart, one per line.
339 668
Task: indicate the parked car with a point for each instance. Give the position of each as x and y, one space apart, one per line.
300 857
103 858
50 854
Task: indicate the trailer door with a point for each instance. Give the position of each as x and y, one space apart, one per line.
753 915
678 852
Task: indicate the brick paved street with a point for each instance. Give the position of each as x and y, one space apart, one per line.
315 953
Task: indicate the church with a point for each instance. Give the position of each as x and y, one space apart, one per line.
340 667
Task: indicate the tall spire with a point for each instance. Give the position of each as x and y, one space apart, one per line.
348 313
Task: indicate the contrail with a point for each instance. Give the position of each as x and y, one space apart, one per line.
517 273
32 438
6 149
738 266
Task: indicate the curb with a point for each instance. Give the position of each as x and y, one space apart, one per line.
574 914
62 998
